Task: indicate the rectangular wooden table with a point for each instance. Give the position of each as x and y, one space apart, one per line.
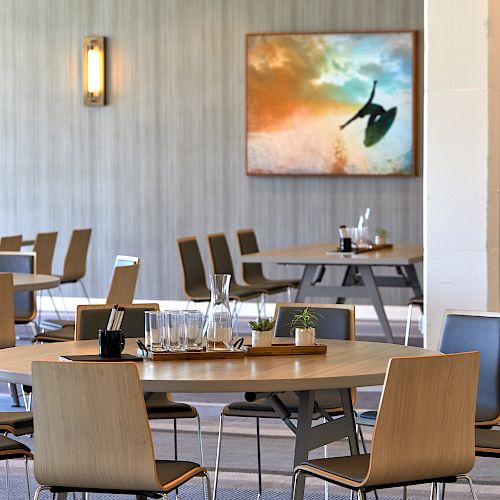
359 279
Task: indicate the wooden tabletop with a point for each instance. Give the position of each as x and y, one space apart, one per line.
24 282
346 364
399 255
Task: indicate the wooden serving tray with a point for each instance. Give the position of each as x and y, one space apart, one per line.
284 350
96 358
184 355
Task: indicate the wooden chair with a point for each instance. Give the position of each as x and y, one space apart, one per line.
411 443
121 291
44 247
334 322
110 449
252 272
75 262
11 243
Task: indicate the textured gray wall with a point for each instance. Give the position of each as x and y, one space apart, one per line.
165 158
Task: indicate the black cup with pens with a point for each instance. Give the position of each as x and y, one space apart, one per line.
345 242
112 340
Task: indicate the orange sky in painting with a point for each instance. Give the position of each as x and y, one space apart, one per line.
280 79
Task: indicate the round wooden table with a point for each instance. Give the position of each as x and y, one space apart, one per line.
346 364
25 282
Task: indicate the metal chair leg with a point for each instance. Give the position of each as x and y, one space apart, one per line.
325 455
217 457
207 481
362 438
296 476
361 495
201 455
13 394
433 491
63 301
84 290
259 463
39 490
27 478
175 453
54 304
7 479
408 322
471 485
405 492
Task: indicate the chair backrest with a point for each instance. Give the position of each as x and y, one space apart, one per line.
21 262
91 427
425 423
335 321
124 280
221 256
44 246
92 317
11 243
75 261
247 242
193 271
477 331
7 327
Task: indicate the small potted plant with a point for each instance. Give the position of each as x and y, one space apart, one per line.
381 235
262 332
304 326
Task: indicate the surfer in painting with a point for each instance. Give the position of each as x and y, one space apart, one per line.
380 120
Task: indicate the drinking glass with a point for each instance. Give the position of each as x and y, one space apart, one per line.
193 330
154 331
175 321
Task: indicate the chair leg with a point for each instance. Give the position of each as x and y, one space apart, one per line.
39 490
471 486
296 476
433 491
325 455
259 463
361 495
405 492
84 290
201 455
408 322
175 453
53 304
27 478
27 400
362 439
13 394
63 301
207 481
7 479
217 457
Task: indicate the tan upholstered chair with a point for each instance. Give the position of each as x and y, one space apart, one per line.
112 450
11 243
424 431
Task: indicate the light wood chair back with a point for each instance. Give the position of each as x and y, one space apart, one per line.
124 280
11 243
92 317
7 326
91 427
425 424
75 262
44 247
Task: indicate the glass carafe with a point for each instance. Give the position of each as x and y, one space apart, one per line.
219 328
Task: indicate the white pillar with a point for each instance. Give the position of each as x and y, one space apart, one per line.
461 158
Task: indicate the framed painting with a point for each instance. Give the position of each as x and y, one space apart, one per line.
331 103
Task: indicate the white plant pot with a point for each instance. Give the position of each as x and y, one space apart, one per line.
305 336
379 240
262 338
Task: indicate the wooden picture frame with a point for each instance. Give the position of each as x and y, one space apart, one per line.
333 104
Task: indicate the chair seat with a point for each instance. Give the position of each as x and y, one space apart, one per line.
270 287
262 408
487 442
10 448
172 474
244 293
367 418
18 423
60 335
351 468
417 301
54 323
275 283
160 409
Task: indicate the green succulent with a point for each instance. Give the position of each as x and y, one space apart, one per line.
304 318
381 232
262 324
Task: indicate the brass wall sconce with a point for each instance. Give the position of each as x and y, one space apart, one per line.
94 71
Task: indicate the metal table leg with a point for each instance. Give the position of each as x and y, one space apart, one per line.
305 282
374 295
